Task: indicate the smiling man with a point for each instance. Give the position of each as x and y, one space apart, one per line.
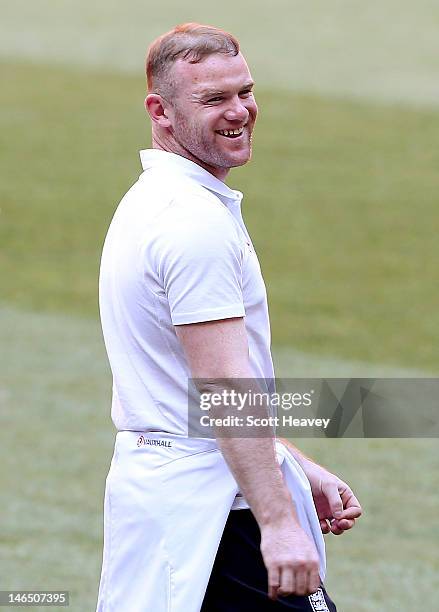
190 523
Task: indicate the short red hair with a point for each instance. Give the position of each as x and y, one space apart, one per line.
191 42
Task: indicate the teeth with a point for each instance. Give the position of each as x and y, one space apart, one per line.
231 132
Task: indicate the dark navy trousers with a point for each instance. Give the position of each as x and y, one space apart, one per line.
239 582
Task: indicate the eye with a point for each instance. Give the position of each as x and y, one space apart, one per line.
214 100
246 93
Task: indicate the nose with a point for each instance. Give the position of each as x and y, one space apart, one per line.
236 111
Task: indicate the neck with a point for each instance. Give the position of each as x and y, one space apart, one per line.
174 147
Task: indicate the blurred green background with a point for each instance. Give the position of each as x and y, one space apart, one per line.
340 198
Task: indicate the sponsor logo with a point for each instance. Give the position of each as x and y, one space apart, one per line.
141 441
317 601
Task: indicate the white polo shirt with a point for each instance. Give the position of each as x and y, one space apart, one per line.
177 252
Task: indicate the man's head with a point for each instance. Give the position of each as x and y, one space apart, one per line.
199 92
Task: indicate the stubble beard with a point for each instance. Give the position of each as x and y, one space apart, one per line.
203 149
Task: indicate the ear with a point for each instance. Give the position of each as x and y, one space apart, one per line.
157 108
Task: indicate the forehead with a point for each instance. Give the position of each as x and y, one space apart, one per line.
215 72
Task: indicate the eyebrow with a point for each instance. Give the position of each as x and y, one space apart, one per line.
208 93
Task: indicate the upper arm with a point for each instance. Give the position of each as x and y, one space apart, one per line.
216 349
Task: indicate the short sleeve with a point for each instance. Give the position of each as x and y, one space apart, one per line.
198 257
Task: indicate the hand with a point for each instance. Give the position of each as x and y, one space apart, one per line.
290 558
336 505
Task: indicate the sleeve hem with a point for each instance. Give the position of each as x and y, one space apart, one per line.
210 314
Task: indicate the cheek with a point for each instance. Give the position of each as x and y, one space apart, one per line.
253 109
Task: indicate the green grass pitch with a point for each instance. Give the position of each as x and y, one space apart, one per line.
340 199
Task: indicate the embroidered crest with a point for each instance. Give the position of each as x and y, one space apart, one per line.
317 601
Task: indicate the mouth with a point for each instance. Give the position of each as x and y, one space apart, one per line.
231 133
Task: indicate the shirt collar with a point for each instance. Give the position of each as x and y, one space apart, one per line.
152 158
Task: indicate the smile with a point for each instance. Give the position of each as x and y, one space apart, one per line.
231 133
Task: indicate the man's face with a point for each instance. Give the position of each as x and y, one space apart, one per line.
213 98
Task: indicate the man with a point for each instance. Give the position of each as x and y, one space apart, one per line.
181 296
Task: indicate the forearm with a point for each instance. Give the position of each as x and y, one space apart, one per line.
254 465
253 461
